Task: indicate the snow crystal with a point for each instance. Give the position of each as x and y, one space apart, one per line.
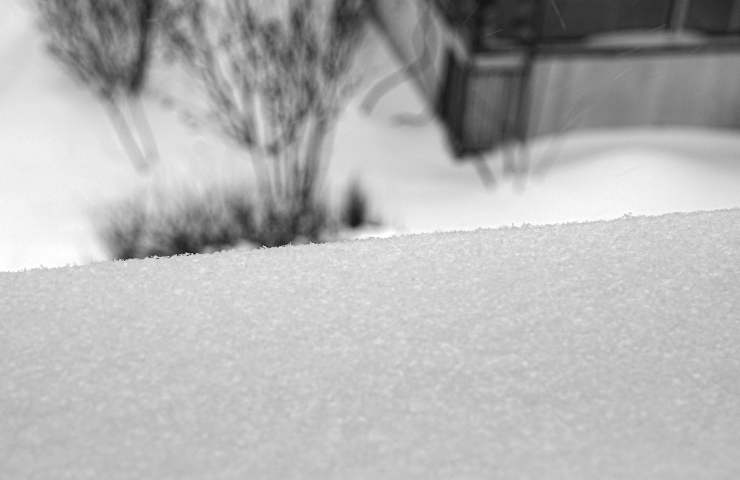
599 350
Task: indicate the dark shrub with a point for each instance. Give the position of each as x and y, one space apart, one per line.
188 222
164 225
277 84
107 45
355 207
280 226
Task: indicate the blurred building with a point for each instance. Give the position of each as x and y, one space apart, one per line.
502 70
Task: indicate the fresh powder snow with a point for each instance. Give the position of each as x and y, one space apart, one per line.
577 351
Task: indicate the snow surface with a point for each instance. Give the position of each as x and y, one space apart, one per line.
599 350
60 160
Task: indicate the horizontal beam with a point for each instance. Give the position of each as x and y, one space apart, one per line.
614 50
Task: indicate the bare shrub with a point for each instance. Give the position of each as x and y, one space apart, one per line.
177 222
107 44
277 76
165 223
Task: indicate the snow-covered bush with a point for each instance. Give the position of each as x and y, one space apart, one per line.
277 74
107 45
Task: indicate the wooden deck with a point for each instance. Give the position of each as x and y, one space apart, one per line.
615 80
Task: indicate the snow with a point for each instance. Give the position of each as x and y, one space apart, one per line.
597 350
604 349
61 162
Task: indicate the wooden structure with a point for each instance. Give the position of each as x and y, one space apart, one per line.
501 70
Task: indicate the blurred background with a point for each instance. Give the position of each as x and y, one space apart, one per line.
159 127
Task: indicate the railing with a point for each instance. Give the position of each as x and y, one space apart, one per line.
493 25
486 97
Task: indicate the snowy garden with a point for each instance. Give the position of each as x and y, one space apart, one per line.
65 167
410 318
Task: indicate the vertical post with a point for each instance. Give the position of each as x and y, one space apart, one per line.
679 14
734 24
525 84
478 26
524 91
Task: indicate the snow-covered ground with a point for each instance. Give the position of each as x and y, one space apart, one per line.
601 350
60 161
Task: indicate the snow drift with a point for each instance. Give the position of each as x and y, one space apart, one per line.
599 350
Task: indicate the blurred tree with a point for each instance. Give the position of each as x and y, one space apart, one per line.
107 45
277 77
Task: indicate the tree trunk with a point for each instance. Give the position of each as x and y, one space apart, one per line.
125 135
146 12
313 159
